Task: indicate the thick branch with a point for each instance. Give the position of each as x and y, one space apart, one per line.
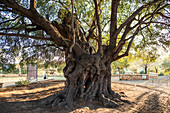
163 15
72 26
33 4
113 25
91 31
37 19
99 27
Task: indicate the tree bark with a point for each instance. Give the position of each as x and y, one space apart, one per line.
146 69
156 69
20 74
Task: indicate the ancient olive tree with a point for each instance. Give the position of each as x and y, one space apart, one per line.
91 34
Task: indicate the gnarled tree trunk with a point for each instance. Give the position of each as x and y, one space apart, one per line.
87 77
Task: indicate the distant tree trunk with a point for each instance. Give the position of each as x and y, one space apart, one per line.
123 71
156 69
20 74
146 69
118 70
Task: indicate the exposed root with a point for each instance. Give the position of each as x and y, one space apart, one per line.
107 102
59 100
54 99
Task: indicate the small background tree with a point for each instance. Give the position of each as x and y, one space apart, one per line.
166 66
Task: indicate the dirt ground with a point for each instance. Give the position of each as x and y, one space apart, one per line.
26 99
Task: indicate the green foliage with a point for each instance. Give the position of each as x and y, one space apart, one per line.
146 54
161 74
8 68
166 65
23 71
61 67
32 51
22 82
142 72
120 65
12 69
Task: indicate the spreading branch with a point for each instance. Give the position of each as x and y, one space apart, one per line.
32 4
99 27
72 27
91 30
161 14
143 20
116 57
132 17
113 25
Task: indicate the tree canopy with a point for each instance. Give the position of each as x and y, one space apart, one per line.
23 33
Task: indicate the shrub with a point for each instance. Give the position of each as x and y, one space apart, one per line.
142 72
161 74
22 82
167 73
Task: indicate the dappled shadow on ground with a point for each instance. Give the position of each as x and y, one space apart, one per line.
155 103
140 97
26 99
